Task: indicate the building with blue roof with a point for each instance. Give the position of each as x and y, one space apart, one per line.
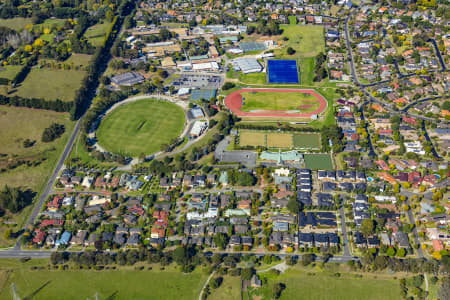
64 239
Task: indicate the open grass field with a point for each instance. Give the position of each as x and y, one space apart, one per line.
307 70
230 289
318 161
79 59
17 125
10 71
276 101
307 140
141 127
306 40
279 140
253 78
50 84
96 34
15 23
124 283
324 286
49 23
252 138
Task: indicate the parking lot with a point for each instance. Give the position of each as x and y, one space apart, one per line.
198 81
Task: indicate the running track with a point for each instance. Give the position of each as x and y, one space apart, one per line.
234 103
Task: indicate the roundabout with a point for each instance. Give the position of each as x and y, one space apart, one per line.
144 126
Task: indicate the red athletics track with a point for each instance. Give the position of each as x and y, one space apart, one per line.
234 103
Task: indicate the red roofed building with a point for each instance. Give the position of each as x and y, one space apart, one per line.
39 236
385 131
158 232
438 245
46 223
430 180
100 182
136 209
414 177
55 203
409 120
159 214
382 164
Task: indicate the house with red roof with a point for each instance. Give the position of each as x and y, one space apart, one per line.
38 236
382 164
409 120
55 203
53 222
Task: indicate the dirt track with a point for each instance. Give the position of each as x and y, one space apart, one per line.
234 103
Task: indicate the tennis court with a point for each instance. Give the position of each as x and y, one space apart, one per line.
202 94
282 71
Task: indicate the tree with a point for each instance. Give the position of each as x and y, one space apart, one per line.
180 255
277 289
290 51
53 132
293 206
228 86
367 227
247 273
290 261
307 259
391 251
215 282
221 240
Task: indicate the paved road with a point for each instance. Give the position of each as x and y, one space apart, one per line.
20 254
38 206
416 234
248 189
344 232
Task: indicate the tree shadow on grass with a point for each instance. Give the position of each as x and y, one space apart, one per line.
31 296
113 296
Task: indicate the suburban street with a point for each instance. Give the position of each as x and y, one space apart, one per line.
48 188
344 236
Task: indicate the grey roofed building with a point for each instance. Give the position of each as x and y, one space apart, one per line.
402 239
247 65
252 46
127 79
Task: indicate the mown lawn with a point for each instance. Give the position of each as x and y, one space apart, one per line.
17 125
306 40
50 84
253 78
318 161
230 289
124 283
305 140
288 101
324 286
141 127
252 138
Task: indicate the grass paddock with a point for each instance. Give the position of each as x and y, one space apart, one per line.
50 84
